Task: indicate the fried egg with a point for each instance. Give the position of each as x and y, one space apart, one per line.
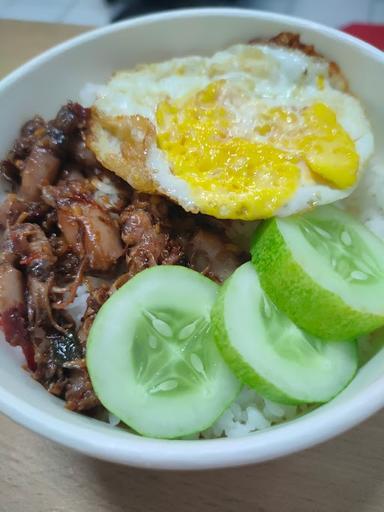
251 132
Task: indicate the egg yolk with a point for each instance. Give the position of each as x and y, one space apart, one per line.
230 177
315 136
238 178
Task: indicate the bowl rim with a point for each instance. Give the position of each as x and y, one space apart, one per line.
203 454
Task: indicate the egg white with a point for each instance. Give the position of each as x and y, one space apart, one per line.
256 78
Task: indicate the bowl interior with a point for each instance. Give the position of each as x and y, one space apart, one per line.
48 82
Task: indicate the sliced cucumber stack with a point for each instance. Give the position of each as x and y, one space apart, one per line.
325 270
151 355
270 353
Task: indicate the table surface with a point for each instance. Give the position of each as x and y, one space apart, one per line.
36 475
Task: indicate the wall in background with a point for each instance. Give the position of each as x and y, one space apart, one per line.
97 12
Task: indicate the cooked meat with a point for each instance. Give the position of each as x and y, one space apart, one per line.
213 255
9 172
38 303
13 312
145 232
79 393
87 227
67 220
39 151
49 241
28 245
30 133
67 266
40 168
71 172
292 40
135 223
65 347
81 154
157 206
61 369
67 190
94 302
25 246
11 287
71 118
14 210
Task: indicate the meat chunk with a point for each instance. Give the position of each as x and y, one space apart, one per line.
81 154
25 246
10 173
28 245
155 232
292 40
53 135
88 228
13 312
60 367
94 302
213 255
38 153
14 210
145 232
30 134
71 118
41 168
91 233
67 266
76 386
11 289
38 303
79 394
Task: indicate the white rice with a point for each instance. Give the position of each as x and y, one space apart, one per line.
366 203
113 420
89 93
249 413
105 193
77 308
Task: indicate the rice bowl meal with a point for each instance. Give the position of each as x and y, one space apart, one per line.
196 249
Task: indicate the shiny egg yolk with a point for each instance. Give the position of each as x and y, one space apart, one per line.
250 178
315 136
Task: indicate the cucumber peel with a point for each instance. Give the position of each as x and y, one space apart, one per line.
269 353
324 270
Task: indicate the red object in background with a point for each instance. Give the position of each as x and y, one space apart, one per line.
373 34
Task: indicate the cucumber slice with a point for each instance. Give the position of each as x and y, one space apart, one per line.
325 270
151 355
270 353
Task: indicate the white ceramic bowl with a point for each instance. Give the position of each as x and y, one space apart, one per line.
42 86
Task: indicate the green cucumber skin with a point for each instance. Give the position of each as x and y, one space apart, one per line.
243 371
279 271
